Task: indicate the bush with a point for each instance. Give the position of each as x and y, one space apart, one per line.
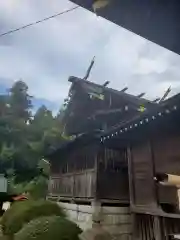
37 188
23 212
16 209
46 228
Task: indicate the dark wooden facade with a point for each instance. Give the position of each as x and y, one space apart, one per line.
161 155
122 165
152 142
92 106
86 170
141 148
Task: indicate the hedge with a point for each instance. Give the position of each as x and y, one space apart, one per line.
23 212
49 228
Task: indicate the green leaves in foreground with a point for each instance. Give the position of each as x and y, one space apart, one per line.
47 228
23 212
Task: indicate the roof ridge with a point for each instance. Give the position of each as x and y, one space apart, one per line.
73 79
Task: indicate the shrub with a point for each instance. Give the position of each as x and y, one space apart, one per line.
23 212
16 209
46 228
37 188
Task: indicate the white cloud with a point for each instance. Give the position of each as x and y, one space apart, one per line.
46 54
146 66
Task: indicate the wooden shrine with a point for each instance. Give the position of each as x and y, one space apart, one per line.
121 156
83 170
90 183
91 106
153 154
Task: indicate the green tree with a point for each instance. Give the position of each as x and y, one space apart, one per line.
25 139
3 105
20 101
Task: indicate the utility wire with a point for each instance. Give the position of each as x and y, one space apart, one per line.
37 22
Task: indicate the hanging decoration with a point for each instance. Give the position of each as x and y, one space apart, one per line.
139 123
95 92
96 96
141 108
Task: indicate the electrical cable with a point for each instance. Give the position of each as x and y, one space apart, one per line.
37 22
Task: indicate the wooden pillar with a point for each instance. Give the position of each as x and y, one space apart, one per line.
96 212
98 154
135 232
130 174
156 202
165 231
157 227
96 203
96 177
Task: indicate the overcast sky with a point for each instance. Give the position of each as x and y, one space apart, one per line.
45 55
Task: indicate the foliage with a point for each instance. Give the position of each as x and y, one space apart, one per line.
37 188
25 138
45 228
17 207
23 212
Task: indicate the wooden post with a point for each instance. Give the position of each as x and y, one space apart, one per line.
96 177
73 190
157 227
130 173
131 193
96 204
135 232
98 153
165 232
154 172
74 176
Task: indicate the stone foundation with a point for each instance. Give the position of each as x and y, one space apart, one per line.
115 220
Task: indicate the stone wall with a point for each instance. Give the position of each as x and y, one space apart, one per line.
116 220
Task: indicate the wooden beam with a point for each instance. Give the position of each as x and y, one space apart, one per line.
105 112
89 69
141 95
124 89
165 94
106 83
156 100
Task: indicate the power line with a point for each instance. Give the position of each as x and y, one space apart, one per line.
37 22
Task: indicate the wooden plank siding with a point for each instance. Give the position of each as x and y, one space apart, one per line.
76 173
159 155
112 177
74 185
144 189
167 154
148 227
92 172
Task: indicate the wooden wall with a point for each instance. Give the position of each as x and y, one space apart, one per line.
73 185
148 158
112 176
142 172
76 174
148 227
92 172
167 154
